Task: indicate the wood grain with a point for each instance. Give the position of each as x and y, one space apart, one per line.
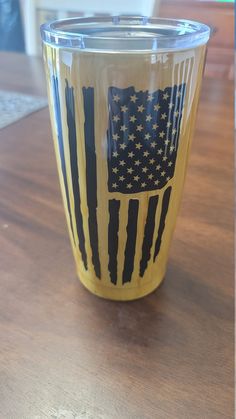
220 17
66 353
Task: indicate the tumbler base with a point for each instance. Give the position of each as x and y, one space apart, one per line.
120 294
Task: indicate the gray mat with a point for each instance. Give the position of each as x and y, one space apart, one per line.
14 106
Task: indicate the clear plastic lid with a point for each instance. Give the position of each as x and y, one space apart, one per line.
125 34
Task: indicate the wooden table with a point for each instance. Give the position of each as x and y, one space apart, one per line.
65 353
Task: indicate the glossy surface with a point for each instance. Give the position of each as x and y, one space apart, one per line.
122 139
125 33
62 349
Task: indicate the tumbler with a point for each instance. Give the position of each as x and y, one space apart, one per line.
123 94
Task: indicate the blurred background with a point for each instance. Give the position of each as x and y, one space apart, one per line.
20 21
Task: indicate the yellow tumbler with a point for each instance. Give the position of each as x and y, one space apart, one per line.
123 93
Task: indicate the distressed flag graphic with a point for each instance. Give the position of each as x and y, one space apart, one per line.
143 130
143 138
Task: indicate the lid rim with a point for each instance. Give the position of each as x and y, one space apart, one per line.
198 33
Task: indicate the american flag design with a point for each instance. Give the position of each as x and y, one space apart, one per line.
142 139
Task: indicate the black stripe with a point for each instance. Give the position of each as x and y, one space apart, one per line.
70 108
180 107
164 209
113 229
91 175
148 234
57 108
131 240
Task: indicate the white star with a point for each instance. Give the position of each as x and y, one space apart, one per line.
160 151
116 98
168 178
129 185
131 154
114 185
168 124
131 137
172 148
124 108
146 153
138 146
157 107
167 142
170 163
176 114
153 144
136 178
162 133
123 146
163 116
114 170
163 173
115 137
139 128
164 158
133 98
174 131
144 169
156 182
116 118
178 94
121 178
137 162
158 167
132 118
147 136
143 185
150 97
141 108
148 118
171 104
122 163
123 128
130 170
151 161
115 154
165 96
150 176
155 126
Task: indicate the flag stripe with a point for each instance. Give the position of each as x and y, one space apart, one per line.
183 93
131 240
57 109
91 175
148 233
113 229
70 109
164 209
